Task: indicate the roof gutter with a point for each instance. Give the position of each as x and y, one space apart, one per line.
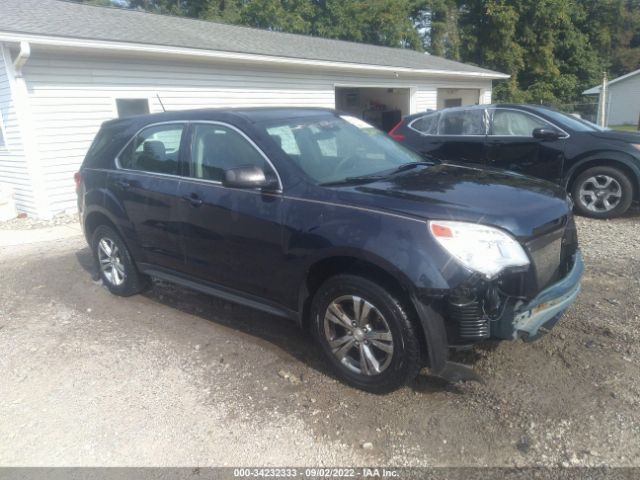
21 59
231 56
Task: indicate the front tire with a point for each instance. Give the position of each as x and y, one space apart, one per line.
602 192
115 265
366 334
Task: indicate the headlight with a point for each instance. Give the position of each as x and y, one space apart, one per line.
483 249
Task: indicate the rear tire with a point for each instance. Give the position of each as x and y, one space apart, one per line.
602 192
366 334
115 265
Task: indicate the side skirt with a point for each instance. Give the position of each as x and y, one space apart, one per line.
219 291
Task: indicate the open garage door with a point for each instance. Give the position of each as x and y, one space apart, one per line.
382 107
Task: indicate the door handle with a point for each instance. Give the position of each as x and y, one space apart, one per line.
123 184
193 199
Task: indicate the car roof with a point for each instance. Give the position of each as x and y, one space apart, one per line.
250 114
519 106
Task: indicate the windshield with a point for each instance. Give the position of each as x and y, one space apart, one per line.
574 123
335 149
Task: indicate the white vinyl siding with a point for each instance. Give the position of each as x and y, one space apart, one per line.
13 167
71 94
623 106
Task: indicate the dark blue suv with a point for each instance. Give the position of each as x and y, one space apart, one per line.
389 260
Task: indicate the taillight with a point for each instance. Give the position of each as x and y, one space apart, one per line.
394 135
77 177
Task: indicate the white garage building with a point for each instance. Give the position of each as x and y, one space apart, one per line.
622 105
65 68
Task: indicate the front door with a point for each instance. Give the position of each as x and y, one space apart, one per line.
232 237
511 145
146 183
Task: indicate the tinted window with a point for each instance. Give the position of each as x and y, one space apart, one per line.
462 122
128 107
331 149
216 148
514 123
427 124
155 149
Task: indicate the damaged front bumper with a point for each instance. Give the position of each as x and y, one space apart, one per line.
535 317
526 319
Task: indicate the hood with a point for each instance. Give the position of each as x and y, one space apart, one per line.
627 137
516 203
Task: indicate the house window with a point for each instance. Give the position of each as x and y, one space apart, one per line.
128 107
452 102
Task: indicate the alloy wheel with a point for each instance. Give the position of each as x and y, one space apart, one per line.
600 193
358 335
111 261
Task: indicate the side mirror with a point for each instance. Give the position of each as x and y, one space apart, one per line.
545 134
248 176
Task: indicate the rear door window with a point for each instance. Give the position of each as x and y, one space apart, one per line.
463 122
155 149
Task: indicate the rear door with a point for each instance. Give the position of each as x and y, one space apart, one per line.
460 136
232 237
146 182
511 145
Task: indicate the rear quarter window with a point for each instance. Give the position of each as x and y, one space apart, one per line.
104 147
427 125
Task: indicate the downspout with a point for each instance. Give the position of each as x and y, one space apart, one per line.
28 135
21 59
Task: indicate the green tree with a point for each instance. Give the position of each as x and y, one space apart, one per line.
379 22
613 27
437 22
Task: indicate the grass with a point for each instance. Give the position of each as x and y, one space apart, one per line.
625 128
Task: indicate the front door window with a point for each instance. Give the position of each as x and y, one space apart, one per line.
512 123
216 148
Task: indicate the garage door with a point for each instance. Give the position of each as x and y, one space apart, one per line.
382 107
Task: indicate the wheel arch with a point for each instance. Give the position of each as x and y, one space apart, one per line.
376 271
94 219
101 216
613 160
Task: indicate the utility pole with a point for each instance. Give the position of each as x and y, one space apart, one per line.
603 101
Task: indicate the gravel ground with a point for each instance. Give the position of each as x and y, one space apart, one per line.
25 222
175 378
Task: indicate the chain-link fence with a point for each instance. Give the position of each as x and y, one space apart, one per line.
586 110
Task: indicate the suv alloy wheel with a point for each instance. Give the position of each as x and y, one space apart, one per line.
365 333
115 266
602 192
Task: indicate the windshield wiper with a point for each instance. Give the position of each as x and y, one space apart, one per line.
377 176
352 180
408 166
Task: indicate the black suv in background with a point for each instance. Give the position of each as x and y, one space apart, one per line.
600 168
320 218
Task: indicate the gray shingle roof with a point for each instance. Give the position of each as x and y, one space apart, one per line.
72 20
